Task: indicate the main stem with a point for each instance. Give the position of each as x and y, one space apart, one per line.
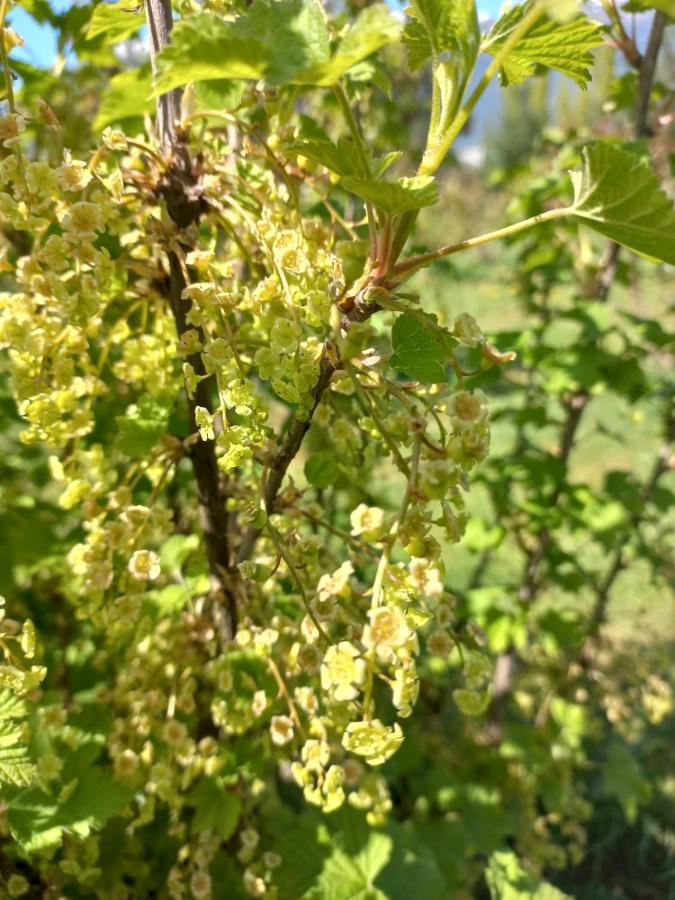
178 189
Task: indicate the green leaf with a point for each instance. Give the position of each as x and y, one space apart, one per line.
141 427
218 95
616 194
623 779
272 41
321 470
374 27
446 32
280 41
127 96
116 20
350 876
342 158
216 809
565 47
16 766
394 197
175 551
37 821
420 351
508 880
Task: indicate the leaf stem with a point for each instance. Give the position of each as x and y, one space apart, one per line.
408 266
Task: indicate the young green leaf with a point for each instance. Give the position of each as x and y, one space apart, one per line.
342 158
565 47
115 20
374 27
216 809
127 96
395 197
419 350
16 766
321 470
508 880
282 42
616 194
141 427
272 41
447 33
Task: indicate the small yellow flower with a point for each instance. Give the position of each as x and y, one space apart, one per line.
315 755
467 330
468 409
144 565
343 671
425 577
73 175
17 886
439 643
200 885
254 884
281 730
249 838
204 422
331 789
387 628
367 521
373 740
114 139
83 220
11 127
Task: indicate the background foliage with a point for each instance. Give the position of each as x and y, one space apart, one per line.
144 751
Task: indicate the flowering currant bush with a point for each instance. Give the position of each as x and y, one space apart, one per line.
209 333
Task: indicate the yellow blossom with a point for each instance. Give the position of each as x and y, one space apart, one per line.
144 565
425 577
11 127
73 175
343 671
281 730
387 628
367 521
373 740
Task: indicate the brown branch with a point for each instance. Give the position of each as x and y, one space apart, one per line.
647 71
289 449
180 189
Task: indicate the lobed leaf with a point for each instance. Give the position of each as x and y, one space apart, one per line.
280 41
394 197
420 351
115 20
618 195
562 46
375 27
128 96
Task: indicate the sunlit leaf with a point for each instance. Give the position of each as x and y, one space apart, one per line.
395 196
117 21
618 195
565 47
